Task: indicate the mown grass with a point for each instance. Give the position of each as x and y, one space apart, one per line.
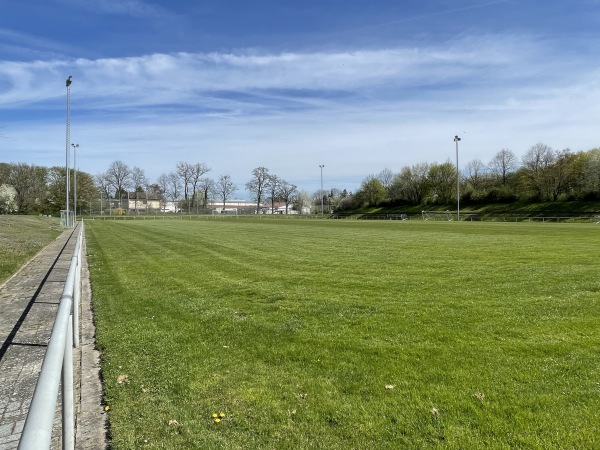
21 237
348 335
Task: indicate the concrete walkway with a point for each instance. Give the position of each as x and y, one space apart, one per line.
28 305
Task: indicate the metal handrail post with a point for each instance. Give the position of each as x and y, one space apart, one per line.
68 398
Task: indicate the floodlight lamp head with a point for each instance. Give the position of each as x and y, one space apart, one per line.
456 139
69 80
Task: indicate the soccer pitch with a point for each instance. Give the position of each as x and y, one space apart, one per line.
347 334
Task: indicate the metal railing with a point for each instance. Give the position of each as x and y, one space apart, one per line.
37 432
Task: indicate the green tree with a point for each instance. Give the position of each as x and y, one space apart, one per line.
535 172
442 182
591 174
4 172
371 192
411 184
562 175
29 183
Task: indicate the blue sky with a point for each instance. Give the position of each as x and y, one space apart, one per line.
358 86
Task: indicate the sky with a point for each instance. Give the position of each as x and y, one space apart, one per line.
354 86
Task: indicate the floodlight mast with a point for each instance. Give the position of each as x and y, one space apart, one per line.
75 179
68 149
322 206
456 139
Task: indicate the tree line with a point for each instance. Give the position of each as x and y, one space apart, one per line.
542 174
27 188
190 188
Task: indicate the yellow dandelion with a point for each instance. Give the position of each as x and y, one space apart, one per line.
217 420
222 415
214 415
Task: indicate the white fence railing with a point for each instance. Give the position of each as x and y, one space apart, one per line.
37 432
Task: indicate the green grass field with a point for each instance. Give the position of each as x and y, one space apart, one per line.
314 334
21 237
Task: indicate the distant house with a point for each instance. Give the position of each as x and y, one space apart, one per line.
278 208
247 207
241 206
147 202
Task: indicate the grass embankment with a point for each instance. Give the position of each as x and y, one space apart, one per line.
491 210
21 237
348 334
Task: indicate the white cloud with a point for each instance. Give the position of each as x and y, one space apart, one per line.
130 8
161 78
356 112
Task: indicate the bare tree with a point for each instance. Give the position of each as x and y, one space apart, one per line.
118 176
139 182
536 168
258 184
302 201
475 171
272 187
101 181
184 171
287 192
225 187
207 187
174 188
163 184
502 164
197 171
386 178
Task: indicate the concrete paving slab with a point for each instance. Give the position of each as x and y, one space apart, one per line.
28 305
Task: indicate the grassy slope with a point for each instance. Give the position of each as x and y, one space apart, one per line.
488 333
21 237
523 209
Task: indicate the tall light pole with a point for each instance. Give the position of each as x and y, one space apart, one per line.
75 179
321 166
68 149
456 139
